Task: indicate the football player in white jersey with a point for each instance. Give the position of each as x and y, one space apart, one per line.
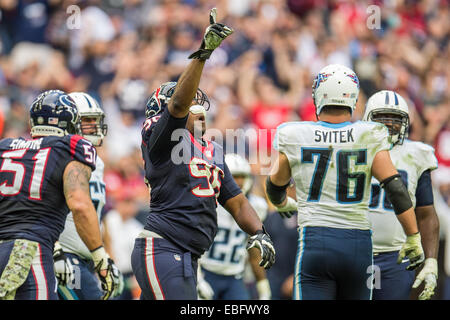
73 261
222 266
414 161
331 162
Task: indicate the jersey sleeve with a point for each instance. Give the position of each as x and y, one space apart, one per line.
287 139
229 189
82 150
157 135
426 160
424 190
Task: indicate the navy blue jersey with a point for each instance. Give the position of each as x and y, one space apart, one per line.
187 179
32 202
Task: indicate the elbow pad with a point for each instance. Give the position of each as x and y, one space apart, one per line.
276 194
397 193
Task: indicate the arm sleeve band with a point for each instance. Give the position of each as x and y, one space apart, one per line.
276 194
424 190
397 193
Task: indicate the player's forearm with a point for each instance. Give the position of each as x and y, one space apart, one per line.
408 221
186 89
428 223
244 215
87 226
76 192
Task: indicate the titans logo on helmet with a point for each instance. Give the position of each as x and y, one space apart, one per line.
321 77
354 78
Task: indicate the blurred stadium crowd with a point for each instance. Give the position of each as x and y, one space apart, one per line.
259 78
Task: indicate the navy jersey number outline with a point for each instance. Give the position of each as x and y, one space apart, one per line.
343 174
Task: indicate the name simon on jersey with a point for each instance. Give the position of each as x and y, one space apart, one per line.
26 144
335 136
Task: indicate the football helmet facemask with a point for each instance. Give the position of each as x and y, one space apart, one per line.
88 107
389 108
159 99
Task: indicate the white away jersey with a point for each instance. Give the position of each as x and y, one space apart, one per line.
411 159
331 166
69 238
227 255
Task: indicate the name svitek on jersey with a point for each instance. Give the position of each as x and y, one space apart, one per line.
335 136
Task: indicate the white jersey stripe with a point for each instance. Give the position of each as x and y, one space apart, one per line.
37 269
151 270
298 265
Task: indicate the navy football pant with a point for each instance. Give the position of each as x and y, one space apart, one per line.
86 285
163 271
333 264
395 281
226 287
40 280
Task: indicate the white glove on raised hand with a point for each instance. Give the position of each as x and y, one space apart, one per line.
204 289
215 33
263 288
103 265
288 209
429 273
412 249
64 271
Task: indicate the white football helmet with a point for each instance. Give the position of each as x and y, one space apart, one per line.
335 85
239 166
88 107
390 109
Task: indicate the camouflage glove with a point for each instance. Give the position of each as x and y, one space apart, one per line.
103 265
429 273
412 249
213 37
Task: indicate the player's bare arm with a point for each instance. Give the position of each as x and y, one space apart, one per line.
76 190
186 89
244 214
428 223
189 80
248 220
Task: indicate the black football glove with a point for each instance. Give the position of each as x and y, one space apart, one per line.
213 37
262 241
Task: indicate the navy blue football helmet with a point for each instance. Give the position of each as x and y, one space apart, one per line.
54 113
160 98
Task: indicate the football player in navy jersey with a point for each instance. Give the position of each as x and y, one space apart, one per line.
41 179
188 177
